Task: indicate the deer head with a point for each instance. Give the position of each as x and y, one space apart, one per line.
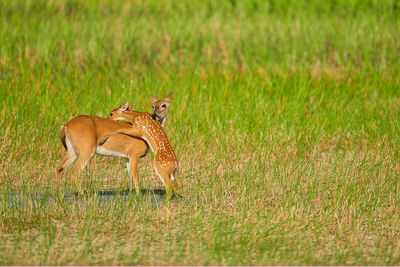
160 108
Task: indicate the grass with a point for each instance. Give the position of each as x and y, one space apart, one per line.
284 120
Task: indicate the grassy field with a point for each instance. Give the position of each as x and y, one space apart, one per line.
284 119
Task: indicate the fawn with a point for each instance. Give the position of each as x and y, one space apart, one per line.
80 137
165 160
160 108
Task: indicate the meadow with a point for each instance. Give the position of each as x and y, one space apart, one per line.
284 119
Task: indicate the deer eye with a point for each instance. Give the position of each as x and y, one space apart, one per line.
111 114
163 105
152 106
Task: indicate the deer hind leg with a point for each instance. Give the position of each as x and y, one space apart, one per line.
81 162
165 178
173 176
85 148
68 159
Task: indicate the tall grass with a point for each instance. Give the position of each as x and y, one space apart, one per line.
284 119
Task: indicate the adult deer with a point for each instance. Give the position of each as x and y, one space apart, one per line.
165 160
80 137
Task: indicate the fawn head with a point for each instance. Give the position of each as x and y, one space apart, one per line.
118 113
160 108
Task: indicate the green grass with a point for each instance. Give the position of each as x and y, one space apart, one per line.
284 119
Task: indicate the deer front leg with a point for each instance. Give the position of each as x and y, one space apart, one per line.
132 165
132 131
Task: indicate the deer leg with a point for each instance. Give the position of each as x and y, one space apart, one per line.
81 162
132 165
173 175
132 131
85 148
165 179
68 159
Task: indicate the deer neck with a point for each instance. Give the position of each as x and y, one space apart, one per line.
154 136
161 120
156 142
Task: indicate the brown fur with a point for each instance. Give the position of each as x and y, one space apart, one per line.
165 160
132 148
84 132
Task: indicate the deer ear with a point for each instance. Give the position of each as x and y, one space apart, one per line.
124 106
130 107
169 97
153 98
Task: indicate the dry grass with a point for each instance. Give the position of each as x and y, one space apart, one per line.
243 204
284 120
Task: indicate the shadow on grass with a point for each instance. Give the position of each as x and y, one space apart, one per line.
21 199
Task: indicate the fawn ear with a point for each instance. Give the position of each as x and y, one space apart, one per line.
124 106
169 97
153 98
130 107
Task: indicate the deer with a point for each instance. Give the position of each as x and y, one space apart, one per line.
80 136
160 108
165 160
